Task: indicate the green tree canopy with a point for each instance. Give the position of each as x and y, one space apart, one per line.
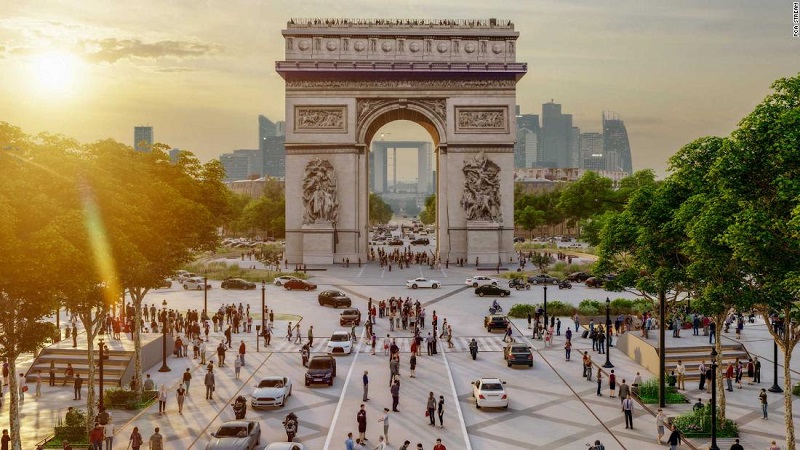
379 211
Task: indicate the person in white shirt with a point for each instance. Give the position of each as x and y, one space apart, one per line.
680 371
108 433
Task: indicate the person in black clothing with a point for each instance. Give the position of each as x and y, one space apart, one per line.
737 446
674 438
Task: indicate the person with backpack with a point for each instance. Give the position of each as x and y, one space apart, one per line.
290 425
597 446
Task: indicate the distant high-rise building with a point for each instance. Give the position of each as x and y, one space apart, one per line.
556 142
173 154
528 139
242 164
379 165
143 139
271 143
280 128
575 147
266 127
592 155
615 143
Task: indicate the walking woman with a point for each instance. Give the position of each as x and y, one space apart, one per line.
162 399
440 411
612 384
136 439
431 409
568 348
181 396
599 382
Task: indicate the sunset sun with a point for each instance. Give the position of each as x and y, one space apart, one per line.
56 72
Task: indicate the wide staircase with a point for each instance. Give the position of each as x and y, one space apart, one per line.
693 356
114 365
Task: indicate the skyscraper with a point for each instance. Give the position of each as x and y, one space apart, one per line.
592 155
143 139
271 143
615 143
575 147
242 164
528 140
556 143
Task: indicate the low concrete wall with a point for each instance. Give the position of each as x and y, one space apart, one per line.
638 350
151 356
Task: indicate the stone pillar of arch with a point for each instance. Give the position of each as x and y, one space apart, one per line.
344 81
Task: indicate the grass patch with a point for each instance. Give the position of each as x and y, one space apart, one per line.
648 393
219 270
127 399
696 424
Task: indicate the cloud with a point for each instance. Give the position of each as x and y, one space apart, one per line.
112 50
171 69
2 52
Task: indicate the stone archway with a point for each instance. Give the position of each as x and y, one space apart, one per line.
345 80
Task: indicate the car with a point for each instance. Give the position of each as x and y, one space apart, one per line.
336 299
283 279
271 391
542 278
285 446
480 280
236 435
490 392
423 282
579 277
517 353
182 277
299 284
166 283
350 317
575 245
195 283
340 343
421 241
519 239
321 369
490 289
394 242
595 282
237 283
495 322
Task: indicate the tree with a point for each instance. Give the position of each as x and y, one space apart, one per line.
379 211
586 197
428 214
760 174
529 219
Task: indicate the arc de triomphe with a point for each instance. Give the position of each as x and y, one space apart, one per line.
345 79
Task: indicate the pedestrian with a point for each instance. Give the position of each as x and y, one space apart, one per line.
349 444
627 408
440 411
529 320
576 319
365 382
702 370
439 445
395 391
361 418
773 446
237 367
624 390
23 387
135 441
311 336
385 420
762 396
108 434
162 399
96 437
187 380
298 338
156 440
599 381
681 372
381 444
374 342
587 363
77 386
180 396
52 373
413 365
242 351
736 445
38 392
729 376
674 439
430 409
209 383
660 419
612 384
756 370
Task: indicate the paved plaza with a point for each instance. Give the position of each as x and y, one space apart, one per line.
551 405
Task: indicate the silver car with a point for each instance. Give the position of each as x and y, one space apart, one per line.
236 435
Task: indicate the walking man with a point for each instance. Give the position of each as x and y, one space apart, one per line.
209 382
365 380
361 418
702 370
77 386
156 440
627 408
660 419
395 390
762 396
681 372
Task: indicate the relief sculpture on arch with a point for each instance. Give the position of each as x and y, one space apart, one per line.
319 193
481 196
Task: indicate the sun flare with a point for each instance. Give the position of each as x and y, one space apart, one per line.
56 71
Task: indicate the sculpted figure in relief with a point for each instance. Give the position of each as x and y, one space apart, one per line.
481 196
319 193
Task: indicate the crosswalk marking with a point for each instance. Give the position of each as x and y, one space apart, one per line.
460 344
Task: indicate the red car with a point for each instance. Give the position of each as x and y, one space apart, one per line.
299 284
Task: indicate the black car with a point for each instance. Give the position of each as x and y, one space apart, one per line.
299 284
542 278
595 282
336 299
488 289
321 369
580 277
519 239
495 322
395 242
516 353
237 283
421 241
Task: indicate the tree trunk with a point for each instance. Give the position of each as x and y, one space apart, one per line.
718 374
13 405
89 326
787 395
137 340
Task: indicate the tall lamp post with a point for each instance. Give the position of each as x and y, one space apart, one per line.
263 311
101 405
608 364
545 308
205 292
164 367
775 387
713 400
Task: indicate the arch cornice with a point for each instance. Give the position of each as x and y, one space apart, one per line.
430 113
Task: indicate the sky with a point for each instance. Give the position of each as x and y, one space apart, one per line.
200 71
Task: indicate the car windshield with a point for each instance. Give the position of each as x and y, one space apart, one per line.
519 349
339 338
270 383
318 364
232 431
498 319
491 387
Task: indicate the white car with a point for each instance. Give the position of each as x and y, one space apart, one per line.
271 391
283 279
422 282
480 280
182 277
490 392
195 284
340 343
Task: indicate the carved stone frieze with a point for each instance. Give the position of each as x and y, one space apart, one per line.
395 84
437 106
320 118
320 198
481 119
481 196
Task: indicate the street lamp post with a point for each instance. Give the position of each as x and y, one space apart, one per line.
263 310
608 364
164 367
713 400
775 387
205 292
545 308
101 405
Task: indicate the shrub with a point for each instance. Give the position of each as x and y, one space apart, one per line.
219 270
621 306
127 399
642 305
648 393
589 308
72 428
559 308
796 389
698 424
520 311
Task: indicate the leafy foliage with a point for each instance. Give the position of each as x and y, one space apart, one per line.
698 424
428 214
648 393
379 211
127 399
